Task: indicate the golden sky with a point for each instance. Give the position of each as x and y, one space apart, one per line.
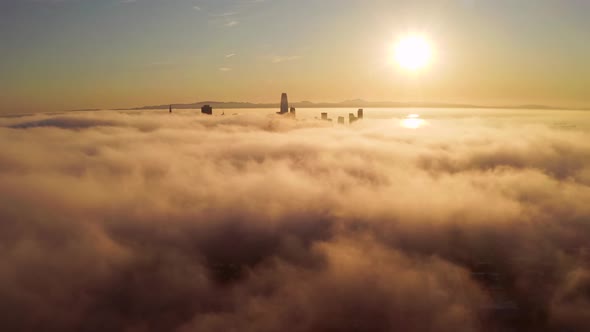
68 54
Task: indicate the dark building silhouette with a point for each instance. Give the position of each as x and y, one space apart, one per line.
292 112
207 109
325 117
341 120
361 114
351 118
284 104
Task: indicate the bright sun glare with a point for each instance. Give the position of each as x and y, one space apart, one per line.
413 121
413 52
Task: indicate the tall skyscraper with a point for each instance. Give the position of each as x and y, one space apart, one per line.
284 104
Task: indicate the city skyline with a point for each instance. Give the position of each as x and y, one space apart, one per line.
341 104
68 54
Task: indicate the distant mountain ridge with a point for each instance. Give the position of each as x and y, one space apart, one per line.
360 103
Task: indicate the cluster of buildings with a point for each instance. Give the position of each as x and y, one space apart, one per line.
291 112
324 116
285 110
351 117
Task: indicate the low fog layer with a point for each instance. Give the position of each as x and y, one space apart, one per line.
114 221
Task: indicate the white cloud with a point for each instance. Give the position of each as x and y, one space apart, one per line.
232 23
226 14
284 58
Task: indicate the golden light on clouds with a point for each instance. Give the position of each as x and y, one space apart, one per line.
413 121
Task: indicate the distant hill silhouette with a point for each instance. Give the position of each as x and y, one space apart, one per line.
356 103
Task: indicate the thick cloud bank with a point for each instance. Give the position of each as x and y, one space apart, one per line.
154 222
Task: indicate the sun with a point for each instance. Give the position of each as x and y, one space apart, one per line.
413 53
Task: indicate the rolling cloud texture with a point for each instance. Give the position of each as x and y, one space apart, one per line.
113 221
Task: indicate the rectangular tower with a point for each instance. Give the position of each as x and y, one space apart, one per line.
207 109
